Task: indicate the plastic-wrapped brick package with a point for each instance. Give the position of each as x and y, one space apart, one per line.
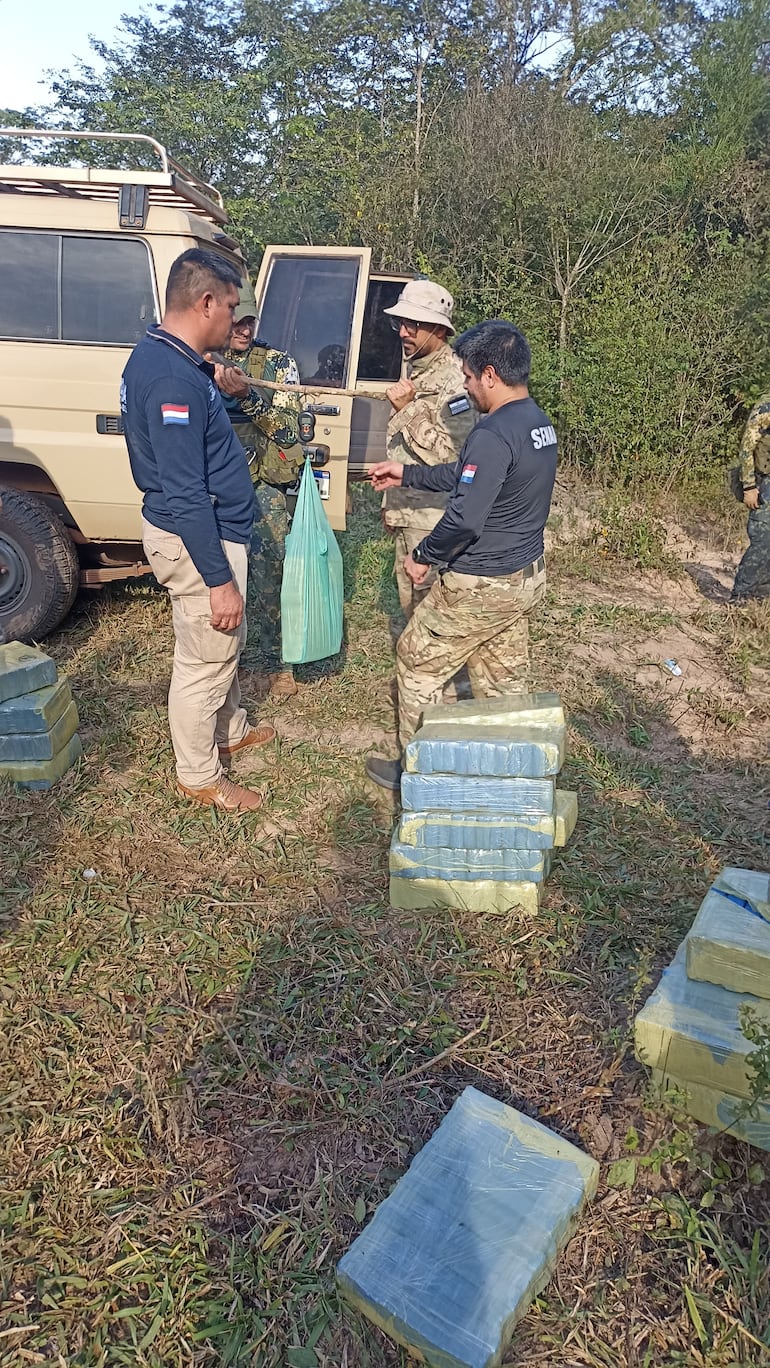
529 753
453 1257
729 941
444 862
455 793
470 895
721 1110
692 1030
512 711
23 669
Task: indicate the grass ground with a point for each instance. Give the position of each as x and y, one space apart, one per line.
220 1051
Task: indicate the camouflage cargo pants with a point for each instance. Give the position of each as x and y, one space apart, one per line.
752 579
263 597
475 620
410 595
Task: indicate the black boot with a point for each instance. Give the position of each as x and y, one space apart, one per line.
386 773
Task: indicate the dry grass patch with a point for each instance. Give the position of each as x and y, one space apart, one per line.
220 1053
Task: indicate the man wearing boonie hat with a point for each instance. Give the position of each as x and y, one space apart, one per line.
430 421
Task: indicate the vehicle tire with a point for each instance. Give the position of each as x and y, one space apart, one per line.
39 570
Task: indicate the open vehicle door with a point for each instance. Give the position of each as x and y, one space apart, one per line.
322 306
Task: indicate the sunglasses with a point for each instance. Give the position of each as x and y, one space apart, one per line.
406 323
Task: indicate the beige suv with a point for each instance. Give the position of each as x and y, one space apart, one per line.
84 257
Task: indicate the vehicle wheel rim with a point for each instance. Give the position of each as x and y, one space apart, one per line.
15 575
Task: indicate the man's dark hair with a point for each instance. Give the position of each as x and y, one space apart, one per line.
195 272
497 344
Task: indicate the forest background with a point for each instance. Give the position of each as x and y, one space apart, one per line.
596 172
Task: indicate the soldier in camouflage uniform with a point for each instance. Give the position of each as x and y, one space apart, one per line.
266 422
430 421
752 579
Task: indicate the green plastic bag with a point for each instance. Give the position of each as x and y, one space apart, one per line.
311 591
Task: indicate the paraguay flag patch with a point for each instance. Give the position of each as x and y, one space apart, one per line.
175 413
468 474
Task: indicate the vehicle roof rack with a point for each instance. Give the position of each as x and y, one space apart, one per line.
173 186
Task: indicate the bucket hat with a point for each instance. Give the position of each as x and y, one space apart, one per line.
422 301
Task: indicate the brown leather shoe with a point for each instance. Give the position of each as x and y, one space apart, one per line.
255 736
223 794
283 685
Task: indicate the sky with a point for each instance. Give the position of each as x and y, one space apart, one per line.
41 35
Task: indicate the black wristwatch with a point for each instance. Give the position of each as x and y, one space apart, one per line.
418 556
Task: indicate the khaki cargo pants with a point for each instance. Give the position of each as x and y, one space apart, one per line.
475 620
204 698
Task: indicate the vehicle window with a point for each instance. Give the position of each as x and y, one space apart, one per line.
307 310
106 290
74 289
380 346
29 273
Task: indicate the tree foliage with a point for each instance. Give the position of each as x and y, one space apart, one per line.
597 171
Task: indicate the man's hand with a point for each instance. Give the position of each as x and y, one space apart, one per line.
386 475
751 498
417 573
232 381
226 607
400 394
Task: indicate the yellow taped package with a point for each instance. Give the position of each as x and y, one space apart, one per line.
514 710
729 941
565 810
488 895
718 1109
692 1030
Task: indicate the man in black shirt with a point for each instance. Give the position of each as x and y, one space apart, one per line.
488 546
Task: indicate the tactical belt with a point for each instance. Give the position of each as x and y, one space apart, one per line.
536 568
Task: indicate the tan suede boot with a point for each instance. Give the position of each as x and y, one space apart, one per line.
283 685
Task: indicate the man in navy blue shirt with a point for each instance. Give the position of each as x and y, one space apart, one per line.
198 515
488 546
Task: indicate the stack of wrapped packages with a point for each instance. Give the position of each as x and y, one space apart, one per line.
38 719
481 810
690 1031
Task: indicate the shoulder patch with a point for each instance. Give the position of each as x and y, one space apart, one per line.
175 413
468 474
459 404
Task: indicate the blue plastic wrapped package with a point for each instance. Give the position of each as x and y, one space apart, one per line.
23 669
43 774
311 592
497 752
456 793
36 711
447 862
39 745
453 1257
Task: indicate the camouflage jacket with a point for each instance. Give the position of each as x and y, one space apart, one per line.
266 421
425 432
754 455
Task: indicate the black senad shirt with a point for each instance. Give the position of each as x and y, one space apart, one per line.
501 494
184 455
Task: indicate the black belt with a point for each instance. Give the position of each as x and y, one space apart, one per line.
536 568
